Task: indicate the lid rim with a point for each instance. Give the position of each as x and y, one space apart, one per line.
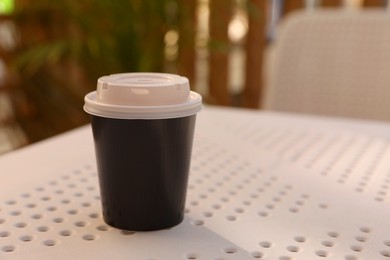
142 112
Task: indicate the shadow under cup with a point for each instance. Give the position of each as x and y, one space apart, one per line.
143 167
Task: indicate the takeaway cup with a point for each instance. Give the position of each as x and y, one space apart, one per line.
143 126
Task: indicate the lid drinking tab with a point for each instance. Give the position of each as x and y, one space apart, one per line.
144 96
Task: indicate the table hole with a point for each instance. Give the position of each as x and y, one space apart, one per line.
265 244
73 212
8 248
361 239
86 204
20 224
53 183
43 228
276 199
239 187
282 193
293 249
207 214
58 220
350 257
198 222
45 198
285 258
231 218
246 202
80 224
25 195
365 229
322 253
323 206
333 234
194 203
15 213
387 242
300 239
294 210
31 205
385 253
89 237
59 192
263 213
211 190
232 193
257 255
356 248
225 199
216 206
49 242
305 196
26 238
36 216
78 194
66 233
94 215
51 208
102 228
10 202
65 201
2 221
203 196
230 250
4 233
327 243
192 256
239 210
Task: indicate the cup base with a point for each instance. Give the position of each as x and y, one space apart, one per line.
146 228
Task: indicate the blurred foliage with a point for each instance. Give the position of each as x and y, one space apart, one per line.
62 47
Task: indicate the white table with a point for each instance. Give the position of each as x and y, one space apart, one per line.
262 186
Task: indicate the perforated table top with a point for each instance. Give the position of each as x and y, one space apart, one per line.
262 186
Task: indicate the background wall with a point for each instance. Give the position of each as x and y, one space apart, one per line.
52 52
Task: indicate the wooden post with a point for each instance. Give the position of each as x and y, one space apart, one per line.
292 5
187 25
331 3
220 15
254 48
374 3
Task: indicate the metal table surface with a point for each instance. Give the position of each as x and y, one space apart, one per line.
262 185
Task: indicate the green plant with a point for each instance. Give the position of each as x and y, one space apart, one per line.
63 46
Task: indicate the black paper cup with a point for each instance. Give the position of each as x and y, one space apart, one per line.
143 155
143 169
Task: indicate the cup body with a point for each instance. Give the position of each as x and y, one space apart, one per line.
143 167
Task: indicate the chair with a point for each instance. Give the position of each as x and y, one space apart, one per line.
331 62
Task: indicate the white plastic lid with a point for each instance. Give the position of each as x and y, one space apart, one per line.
143 96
